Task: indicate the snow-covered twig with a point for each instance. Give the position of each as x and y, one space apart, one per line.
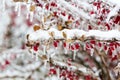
73 33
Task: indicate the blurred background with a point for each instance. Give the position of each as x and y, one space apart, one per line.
15 61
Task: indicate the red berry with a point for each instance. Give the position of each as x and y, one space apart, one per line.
105 47
53 4
112 48
29 23
52 71
77 22
2 67
55 14
35 48
55 43
98 22
101 18
47 6
110 52
7 62
64 44
72 47
69 17
103 11
63 13
89 27
95 4
77 46
114 58
108 26
92 12
99 44
88 77
87 46
40 5
92 42
117 20
63 73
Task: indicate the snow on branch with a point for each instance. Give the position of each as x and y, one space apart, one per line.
74 9
73 33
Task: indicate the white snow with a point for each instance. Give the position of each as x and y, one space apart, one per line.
117 2
113 12
101 35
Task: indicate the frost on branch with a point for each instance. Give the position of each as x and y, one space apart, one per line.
87 32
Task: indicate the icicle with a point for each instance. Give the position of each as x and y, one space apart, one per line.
43 15
18 8
3 4
45 63
66 48
74 54
32 54
92 51
28 8
31 16
58 73
56 49
53 54
44 49
36 56
43 19
27 16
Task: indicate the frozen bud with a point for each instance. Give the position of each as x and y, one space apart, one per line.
44 57
68 22
36 27
51 34
82 38
60 27
32 8
64 35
